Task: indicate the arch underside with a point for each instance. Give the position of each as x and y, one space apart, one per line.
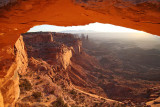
17 18
20 16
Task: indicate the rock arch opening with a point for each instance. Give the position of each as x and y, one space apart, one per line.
18 18
88 63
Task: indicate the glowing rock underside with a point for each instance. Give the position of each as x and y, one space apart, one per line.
18 17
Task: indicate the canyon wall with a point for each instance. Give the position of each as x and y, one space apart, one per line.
51 47
10 80
50 51
66 56
18 18
51 70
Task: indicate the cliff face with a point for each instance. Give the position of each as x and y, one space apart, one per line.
18 18
53 71
38 46
10 80
52 47
21 55
55 65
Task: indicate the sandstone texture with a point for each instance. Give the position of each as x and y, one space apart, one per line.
10 79
52 74
18 17
6 2
57 67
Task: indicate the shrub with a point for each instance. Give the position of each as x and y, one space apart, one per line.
39 82
59 103
73 92
36 95
38 77
52 92
26 85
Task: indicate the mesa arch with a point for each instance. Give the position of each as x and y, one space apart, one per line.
18 18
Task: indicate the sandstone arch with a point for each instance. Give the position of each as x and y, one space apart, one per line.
18 18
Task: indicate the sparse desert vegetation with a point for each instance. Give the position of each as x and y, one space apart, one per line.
59 103
37 95
25 85
75 71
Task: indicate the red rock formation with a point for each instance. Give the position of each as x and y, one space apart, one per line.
18 18
24 15
53 66
9 78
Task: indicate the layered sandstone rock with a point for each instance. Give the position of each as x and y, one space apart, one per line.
18 18
10 80
55 53
53 71
1 100
51 47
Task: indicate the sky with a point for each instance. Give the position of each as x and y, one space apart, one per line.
96 27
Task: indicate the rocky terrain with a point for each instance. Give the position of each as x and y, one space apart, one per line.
133 71
18 17
61 70
54 77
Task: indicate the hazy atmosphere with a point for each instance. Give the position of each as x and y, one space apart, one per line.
79 53
107 33
124 62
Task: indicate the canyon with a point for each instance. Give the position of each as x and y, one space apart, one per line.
53 73
60 69
17 16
